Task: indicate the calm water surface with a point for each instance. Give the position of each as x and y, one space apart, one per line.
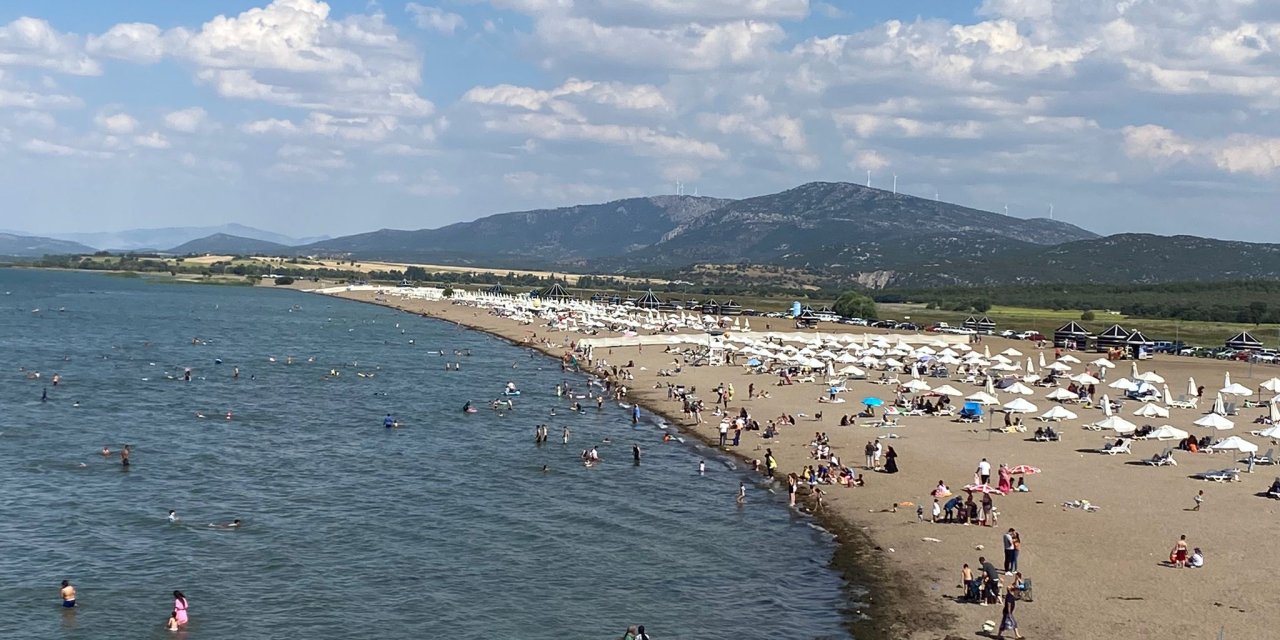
446 528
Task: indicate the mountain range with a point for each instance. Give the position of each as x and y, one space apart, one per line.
167 237
836 233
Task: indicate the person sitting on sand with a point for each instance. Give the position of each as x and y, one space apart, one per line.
941 491
1022 485
1196 560
858 481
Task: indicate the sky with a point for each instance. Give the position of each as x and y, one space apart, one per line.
306 118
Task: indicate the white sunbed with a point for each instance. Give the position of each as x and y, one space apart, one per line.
1161 459
1113 449
1219 475
1183 402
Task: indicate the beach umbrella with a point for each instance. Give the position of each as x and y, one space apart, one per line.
852 371
990 387
1001 359
1215 421
1271 384
1273 411
980 488
1102 363
1123 384
1058 412
1152 411
1272 431
983 398
1167 432
1106 405
1024 470
1062 394
1041 359
1150 376
1070 359
753 362
1011 352
872 402
1237 389
1235 443
916 385
986 352
1085 378
1060 367
1019 388
948 390
1019 405
1192 391
1116 423
1219 407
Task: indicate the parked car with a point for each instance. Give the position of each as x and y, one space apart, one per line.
1030 335
1008 333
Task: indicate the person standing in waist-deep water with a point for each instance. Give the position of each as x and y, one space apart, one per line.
68 594
124 456
180 607
635 414
635 453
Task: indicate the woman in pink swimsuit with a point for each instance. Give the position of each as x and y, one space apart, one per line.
180 607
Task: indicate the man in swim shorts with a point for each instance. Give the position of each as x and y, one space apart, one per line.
68 594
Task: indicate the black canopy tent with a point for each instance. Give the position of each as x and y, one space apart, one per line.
711 307
1071 336
1114 337
1136 342
731 308
554 292
1244 341
495 290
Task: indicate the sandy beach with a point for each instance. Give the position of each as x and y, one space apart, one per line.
1099 574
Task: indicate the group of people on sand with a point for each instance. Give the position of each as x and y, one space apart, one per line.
987 587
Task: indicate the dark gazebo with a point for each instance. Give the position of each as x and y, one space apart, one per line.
554 292
495 290
649 301
1071 336
731 308
1136 342
1114 337
711 307
1244 341
693 305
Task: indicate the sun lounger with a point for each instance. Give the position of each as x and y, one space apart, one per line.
1231 409
1114 448
949 411
972 378
1161 459
1267 458
1219 475
1183 402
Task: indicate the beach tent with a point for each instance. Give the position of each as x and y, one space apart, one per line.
554 292
1244 341
1071 336
1113 338
649 301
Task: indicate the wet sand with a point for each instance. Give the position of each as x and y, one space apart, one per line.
1095 575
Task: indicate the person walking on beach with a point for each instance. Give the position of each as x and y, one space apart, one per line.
793 485
984 472
180 607
891 461
1007 621
68 594
770 463
1199 500
875 459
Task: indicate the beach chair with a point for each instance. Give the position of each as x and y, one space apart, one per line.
1183 402
1267 458
971 378
1116 447
1219 475
949 411
1231 409
1161 459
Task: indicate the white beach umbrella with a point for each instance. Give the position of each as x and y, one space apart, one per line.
1271 384
1062 394
990 387
949 353
846 358
852 371
1001 359
1192 390
1166 432
1219 407
1011 352
1084 378
1041 354
893 363
1272 431
1152 411
1237 389
983 398
1106 405
1150 376
1030 368
1123 384
1019 388
1273 411
1058 412
1235 443
1103 363
1070 359
916 385
1116 423
986 352
1019 405
948 390
1215 421
1060 367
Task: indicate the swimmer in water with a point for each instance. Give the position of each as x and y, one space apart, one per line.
124 457
173 516
702 467
44 395
234 524
106 451
565 436
635 453
546 469
68 594
235 373
389 421
742 492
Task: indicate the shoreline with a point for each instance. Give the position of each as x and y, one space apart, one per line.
888 613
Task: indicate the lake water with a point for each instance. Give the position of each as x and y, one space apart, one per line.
446 528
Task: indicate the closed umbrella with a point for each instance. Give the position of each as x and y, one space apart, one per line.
1219 407
1273 411
1192 389
1106 405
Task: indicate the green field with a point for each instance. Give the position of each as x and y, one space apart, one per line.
1208 334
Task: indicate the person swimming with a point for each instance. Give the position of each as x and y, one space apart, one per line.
234 524
389 422
173 516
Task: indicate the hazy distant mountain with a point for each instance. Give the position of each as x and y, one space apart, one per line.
12 244
544 237
224 244
136 239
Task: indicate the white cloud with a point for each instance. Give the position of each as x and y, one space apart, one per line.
152 140
131 41
435 18
118 123
432 183
32 42
353 129
187 120
46 148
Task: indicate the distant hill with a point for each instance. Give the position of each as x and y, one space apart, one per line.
225 244
12 244
139 239
543 237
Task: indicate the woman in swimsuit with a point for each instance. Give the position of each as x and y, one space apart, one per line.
180 607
